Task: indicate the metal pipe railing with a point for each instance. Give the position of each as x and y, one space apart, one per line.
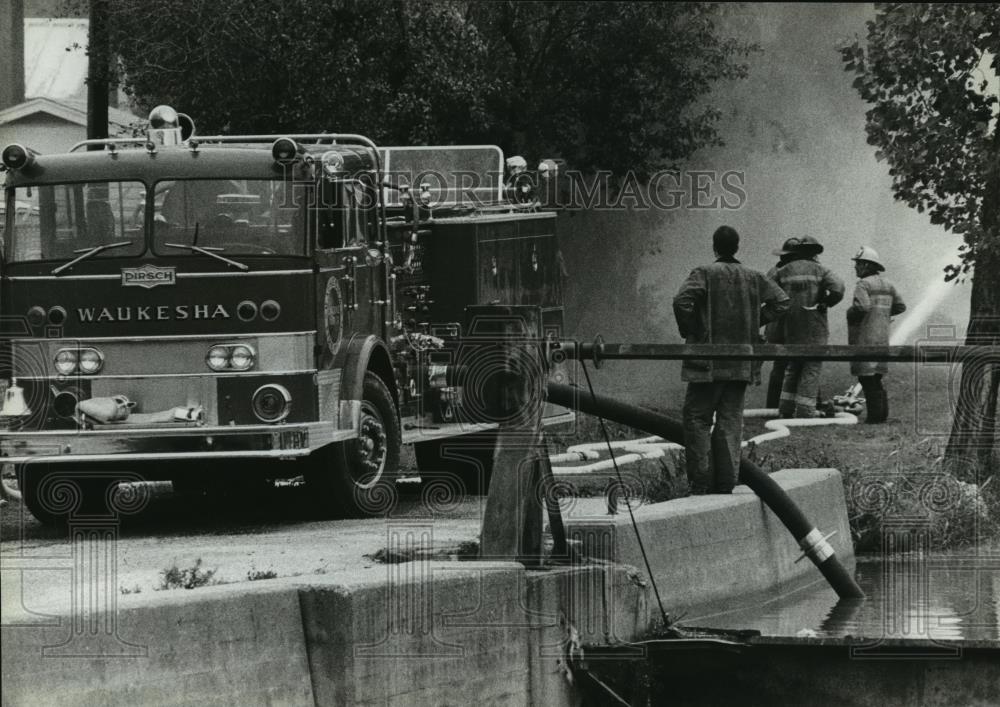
599 351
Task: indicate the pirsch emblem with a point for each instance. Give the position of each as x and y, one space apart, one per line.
148 276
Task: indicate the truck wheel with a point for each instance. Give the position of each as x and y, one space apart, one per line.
53 494
467 459
357 478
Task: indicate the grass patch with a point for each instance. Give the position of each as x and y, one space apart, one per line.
254 574
192 577
895 479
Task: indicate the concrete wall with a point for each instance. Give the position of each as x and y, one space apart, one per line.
419 633
707 548
214 646
425 633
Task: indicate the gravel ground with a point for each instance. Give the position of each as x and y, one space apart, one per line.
274 538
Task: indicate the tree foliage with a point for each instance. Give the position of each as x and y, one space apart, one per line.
617 86
400 71
933 115
934 119
614 86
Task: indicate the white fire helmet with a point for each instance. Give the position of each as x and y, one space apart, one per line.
870 254
516 164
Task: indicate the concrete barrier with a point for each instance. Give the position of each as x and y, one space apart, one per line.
422 632
706 548
210 646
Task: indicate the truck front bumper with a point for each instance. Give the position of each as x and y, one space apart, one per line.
113 443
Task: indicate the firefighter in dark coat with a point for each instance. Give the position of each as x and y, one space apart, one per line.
813 288
875 303
721 303
774 332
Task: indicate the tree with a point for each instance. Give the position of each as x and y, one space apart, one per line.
933 119
617 86
398 71
612 86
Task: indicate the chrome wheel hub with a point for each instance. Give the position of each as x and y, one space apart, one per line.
373 446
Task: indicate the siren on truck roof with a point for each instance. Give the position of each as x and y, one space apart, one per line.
17 157
168 127
285 150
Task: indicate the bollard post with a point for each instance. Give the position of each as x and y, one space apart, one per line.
522 477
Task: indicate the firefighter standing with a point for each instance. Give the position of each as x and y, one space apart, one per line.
812 288
875 302
721 303
774 332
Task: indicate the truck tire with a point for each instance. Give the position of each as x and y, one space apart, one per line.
357 478
54 493
466 460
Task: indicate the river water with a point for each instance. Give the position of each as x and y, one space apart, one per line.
939 596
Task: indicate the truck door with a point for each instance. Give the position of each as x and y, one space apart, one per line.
375 267
352 284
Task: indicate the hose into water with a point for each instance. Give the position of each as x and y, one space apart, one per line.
812 542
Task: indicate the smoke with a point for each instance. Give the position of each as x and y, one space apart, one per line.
795 130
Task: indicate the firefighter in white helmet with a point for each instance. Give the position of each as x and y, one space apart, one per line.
875 302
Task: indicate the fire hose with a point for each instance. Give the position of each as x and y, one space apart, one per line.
810 540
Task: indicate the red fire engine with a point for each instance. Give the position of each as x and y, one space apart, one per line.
253 307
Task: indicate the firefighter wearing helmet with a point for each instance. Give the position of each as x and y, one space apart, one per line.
875 303
774 332
813 288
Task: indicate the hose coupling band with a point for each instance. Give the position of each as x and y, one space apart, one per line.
815 546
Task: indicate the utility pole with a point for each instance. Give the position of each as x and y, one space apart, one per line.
11 53
97 73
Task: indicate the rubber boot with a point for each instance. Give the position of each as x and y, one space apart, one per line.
885 401
873 399
774 383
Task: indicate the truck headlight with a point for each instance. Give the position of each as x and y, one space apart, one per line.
241 358
90 361
65 362
218 358
230 357
87 361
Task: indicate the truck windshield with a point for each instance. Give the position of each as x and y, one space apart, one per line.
230 216
58 222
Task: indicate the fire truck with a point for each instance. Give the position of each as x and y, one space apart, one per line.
223 311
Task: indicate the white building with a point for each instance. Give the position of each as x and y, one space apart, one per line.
52 115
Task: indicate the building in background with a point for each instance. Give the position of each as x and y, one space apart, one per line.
43 89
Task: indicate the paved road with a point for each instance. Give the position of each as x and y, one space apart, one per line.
276 535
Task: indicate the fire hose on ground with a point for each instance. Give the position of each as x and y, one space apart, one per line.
811 540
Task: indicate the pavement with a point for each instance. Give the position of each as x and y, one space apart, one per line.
273 538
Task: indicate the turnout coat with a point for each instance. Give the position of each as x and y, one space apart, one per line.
875 302
812 288
725 303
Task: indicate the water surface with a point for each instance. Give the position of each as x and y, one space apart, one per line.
941 596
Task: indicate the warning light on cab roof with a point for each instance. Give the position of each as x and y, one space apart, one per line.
17 157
